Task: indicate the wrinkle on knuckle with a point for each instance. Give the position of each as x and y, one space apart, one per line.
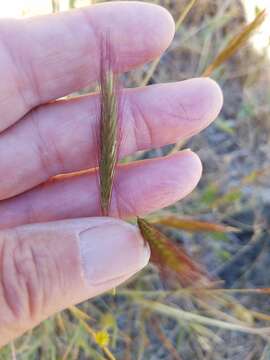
142 130
31 215
32 77
123 205
20 71
41 145
26 278
51 159
58 156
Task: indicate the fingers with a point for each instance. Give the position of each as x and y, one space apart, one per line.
61 137
141 187
49 267
47 57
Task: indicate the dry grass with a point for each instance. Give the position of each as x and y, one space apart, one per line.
149 318
236 43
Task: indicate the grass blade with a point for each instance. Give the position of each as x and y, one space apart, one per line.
183 315
178 23
238 41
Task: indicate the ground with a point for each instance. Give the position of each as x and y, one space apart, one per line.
234 189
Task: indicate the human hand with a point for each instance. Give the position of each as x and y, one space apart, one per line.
48 263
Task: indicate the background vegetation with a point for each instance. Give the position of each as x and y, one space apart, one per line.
149 318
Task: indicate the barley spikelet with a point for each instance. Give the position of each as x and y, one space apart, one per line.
236 43
172 259
108 126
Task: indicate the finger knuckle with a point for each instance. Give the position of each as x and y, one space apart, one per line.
25 278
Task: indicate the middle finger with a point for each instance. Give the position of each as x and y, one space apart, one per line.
61 137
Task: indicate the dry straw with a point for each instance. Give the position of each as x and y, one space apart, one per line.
238 41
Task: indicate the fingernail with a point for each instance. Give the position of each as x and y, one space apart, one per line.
111 251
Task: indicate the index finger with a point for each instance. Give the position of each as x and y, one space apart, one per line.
50 56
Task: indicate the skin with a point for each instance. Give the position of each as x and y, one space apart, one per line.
54 249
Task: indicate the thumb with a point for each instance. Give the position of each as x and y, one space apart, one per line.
47 267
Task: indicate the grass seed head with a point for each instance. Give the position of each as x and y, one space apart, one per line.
171 259
109 113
